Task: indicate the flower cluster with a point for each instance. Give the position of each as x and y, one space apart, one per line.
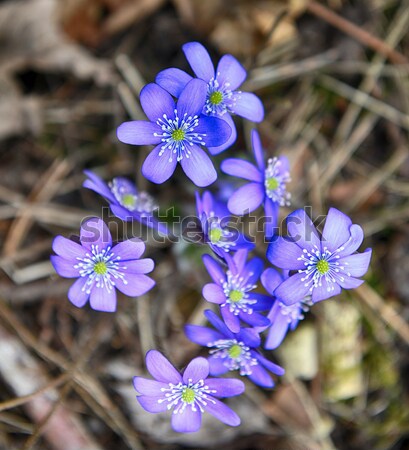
185 115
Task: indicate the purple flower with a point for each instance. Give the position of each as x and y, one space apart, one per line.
101 267
179 132
267 184
222 97
282 317
234 290
217 233
125 201
233 351
324 265
188 395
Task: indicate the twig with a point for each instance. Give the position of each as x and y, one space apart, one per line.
387 312
358 33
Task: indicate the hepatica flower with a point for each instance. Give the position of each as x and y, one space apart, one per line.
178 131
234 290
233 351
125 201
323 265
282 317
218 230
101 267
188 395
223 97
267 184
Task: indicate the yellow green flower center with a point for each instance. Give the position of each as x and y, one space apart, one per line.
216 98
272 184
178 135
322 266
234 351
188 395
235 295
100 268
128 200
215 234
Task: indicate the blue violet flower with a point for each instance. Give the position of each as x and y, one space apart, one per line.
188 395
233 290
101 267
233 351
324 265
179 132
223 97
267 184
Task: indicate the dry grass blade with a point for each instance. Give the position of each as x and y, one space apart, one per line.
387 312
45 188
356 32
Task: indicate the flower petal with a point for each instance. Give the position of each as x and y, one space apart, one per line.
336 229
95 233
214 269
254 319
232 321
354 241
253 270
77 293
96 184
276 332
139 132
258 150
237 263
213 293
292 290
156 102
196 370
192 99
149 387
64 267
230 141
218 324
356 265
68 249
199 60
242 169
140 266
247 105
271 279
198 167
225 387
122 213
186 421
161 369
217 366
152 404
202 335
326 290
217 131
249 336
274 368
246 199
261 377
271 210
229 70
159 167
349 282
173 80
134 285
284 253
222 412
103 299
264 302
302 231
130 249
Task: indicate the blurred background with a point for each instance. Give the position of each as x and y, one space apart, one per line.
333 76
